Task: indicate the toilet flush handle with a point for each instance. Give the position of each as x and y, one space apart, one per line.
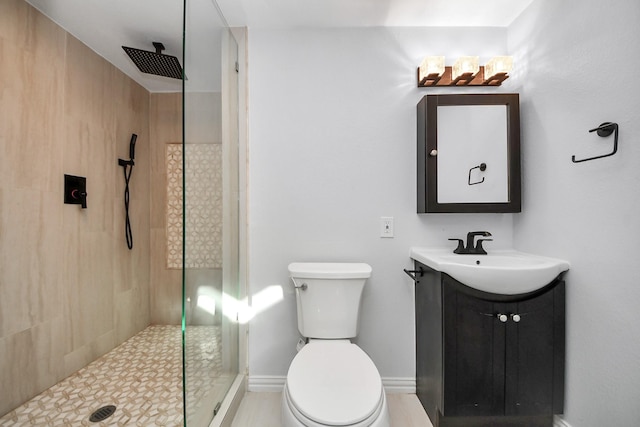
302 287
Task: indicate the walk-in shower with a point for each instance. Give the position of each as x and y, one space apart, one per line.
93 327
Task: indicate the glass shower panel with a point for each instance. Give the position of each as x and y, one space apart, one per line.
210 215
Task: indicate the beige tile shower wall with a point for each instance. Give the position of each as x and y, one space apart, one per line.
203 126
70 290
165 127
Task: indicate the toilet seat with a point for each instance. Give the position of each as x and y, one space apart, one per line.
334 383
378 418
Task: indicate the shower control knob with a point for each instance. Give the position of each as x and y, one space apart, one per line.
515 317
503 317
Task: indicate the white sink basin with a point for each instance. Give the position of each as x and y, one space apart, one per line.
507 272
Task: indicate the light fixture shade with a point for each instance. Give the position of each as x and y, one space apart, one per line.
498 65
465 65
432 66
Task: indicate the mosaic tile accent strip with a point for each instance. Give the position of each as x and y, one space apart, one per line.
174 206
203 183
142 377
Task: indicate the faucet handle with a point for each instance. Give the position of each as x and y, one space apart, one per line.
460 247
479 248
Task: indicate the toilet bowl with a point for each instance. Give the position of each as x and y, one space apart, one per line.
333 383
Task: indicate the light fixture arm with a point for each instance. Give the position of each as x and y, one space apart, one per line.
465 72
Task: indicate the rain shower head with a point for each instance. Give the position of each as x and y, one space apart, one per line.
155 62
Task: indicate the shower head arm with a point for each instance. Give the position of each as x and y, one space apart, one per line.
159 47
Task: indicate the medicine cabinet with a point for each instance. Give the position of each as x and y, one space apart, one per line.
469 153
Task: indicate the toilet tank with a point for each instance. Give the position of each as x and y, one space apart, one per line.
328 297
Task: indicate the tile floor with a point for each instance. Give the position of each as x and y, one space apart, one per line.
142 378
263 410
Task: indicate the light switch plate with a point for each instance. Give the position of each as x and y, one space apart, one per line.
386 226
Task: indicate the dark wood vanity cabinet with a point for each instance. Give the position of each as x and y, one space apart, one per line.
486 359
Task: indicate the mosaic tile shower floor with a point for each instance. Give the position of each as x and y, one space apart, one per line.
142 377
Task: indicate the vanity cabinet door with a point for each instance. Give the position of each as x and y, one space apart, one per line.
474 361
534 380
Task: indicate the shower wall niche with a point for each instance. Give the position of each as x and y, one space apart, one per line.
203 222
203 211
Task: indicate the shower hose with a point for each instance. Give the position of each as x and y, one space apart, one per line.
127 166
127 224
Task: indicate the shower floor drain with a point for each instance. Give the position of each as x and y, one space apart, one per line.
102 414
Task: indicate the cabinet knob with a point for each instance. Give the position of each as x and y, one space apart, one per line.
515 317
433 153
503 317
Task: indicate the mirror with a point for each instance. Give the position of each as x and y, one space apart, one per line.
469 153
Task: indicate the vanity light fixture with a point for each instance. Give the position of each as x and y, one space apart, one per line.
431 70
466 71
497 69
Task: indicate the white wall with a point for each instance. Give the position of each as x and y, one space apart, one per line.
332 149
581 59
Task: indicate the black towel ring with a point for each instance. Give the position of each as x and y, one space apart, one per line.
482 167
604 130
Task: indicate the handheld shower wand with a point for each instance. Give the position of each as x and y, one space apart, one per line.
128 167
132 152
132 146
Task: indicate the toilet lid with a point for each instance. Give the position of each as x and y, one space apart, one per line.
330 270
334 383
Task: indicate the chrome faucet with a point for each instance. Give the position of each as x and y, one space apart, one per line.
472 249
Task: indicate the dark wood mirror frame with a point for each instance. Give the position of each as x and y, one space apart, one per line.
428 164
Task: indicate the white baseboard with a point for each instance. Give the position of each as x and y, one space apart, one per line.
399 385
267 383
559 422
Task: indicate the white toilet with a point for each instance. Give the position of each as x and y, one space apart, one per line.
331 382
